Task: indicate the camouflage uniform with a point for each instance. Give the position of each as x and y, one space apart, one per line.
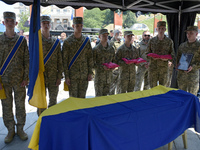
82 67
142 71
53 69
126 71
16 72
189 81
103 77
158 69
115 75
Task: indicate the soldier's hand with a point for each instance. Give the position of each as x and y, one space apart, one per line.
24 83
164 59
67 81
58 82
169 63
89 77
1 87
189 69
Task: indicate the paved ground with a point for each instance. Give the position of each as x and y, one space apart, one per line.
31 118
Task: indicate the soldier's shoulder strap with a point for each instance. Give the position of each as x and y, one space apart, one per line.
51 51
11 55
78 52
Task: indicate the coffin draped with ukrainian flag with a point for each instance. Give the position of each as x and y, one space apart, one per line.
140 120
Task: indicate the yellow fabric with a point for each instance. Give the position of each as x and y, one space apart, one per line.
39 95
66 88
2 91
39 98
72 103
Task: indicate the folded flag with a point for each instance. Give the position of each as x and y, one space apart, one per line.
111 65
140 60
127 61
135 61
159 56
165 56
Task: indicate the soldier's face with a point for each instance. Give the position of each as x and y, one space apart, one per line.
103 37
10 23
45 25
146 36
192 35
63 36
133 39
77 27
161 30
128 38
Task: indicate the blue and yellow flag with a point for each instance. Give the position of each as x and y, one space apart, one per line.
141 120
36 89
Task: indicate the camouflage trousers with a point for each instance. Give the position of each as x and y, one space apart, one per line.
125 86
78 88
7 105
156 75
188 82
142 74
114 82
53 93
101 88
170 72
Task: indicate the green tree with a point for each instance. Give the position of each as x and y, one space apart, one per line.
108 17
23 18
129 19
93 18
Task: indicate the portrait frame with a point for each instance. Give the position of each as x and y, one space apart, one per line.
185 61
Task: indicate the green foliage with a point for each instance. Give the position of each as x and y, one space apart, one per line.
108 17
150 22
95 18
128 19
23 18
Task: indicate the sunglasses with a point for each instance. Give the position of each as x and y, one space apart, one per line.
147 35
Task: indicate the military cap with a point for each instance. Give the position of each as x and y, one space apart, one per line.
128 33
192 28
103 31
161 23
10 15
45 18
77 20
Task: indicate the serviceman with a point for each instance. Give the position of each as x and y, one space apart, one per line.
189 80
111 35
52 60
126 71
77 60
142 71
116 43
160 45
63 36
103 53
14 75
